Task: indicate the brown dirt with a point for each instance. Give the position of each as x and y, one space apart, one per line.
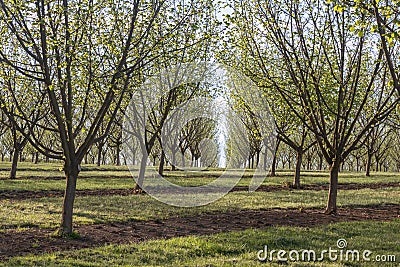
37 241
347 186
25 194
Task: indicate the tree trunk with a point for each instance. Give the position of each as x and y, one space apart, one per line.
36 157
273 167
173 167
104 157
162 161
321 162
183 159
99 154
368 165
14 164
118 163
274 158
333 188
71 173
143 163
296 181
358 164
258 158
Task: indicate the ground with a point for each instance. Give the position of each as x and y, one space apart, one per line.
120 228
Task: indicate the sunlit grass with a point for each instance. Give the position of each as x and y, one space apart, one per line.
48 177
227 249
82 184
45 212
235 248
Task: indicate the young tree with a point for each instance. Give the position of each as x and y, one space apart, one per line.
375 141
172 78
19 116
152 105
83 54
291 131
323 69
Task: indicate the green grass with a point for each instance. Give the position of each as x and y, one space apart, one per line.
227 249
114 181
234 248
54 170
118 177
89 183
45 212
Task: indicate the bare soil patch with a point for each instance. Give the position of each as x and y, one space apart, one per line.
37 241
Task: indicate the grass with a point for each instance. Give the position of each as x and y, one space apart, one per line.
226 249
234 248
45 212
107 181
119 177
82 184
54 170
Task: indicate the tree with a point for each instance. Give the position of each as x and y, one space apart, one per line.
385 17
394 155
275 158
4 129
83 55
376 139
19 116
115 141
201 130
291 131
152 105
250 121
322 70
237 147
249 109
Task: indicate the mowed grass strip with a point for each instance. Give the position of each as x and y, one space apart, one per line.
118 177
45 212
237 248
98 183
127 182
28 170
